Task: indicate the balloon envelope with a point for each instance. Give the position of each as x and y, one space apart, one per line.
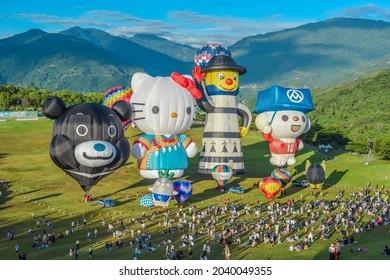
207 52
146 200
162 192
88 142
315 175
183 189
283 175
118 93
270 187
222 174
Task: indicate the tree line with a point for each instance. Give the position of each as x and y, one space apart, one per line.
16 98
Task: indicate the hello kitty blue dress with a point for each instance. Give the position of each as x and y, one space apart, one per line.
164 152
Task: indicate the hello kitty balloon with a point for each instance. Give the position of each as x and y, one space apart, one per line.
164 107
282 119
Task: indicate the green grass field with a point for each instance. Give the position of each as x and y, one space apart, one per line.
37 185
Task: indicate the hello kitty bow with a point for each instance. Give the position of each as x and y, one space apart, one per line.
186 83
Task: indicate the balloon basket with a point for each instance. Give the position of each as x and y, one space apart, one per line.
87 198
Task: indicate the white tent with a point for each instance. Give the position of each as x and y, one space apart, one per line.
325 148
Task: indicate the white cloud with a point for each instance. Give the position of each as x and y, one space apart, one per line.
62 21
369 11
185 27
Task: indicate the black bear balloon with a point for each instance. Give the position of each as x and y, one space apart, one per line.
88 140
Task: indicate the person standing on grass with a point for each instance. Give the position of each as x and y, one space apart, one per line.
17 249
310 237
76 253
332 252
90 251
190 252
227 252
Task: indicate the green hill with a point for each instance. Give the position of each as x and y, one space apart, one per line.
316 54
55 61
358 110
153 62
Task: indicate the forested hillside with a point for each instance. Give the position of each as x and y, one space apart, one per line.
354 112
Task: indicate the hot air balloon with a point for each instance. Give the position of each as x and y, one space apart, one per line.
222 173
282 119
183 189
207 52
118 93
270 187
162 190
315 174
219 82
88 141
164 107
146 200
283 175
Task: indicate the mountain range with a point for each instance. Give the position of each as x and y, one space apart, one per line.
316 55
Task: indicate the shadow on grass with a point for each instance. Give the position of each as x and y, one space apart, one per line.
6 191
3 155
336 176
47 196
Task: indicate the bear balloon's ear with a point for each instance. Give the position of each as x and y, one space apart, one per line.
123 110
53 107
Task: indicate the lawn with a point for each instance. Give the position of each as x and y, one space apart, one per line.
36 184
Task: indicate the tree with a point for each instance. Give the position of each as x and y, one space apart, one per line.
382 148
93 97
5 100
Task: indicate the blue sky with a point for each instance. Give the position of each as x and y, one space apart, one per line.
184 21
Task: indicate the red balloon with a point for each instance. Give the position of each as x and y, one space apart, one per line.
270 187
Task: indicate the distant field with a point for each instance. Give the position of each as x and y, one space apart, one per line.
37 185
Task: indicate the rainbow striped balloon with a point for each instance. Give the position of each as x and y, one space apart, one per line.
283 175
222 173
118 93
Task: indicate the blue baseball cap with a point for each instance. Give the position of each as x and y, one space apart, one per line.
277 98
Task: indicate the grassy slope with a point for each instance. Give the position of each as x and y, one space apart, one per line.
38 186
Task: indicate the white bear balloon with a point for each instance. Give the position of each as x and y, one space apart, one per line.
282 119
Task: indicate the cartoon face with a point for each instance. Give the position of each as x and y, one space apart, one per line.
289 124
88 140
94 129
163 186
161 106
225 80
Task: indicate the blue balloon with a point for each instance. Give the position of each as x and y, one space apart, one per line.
147 200
184 190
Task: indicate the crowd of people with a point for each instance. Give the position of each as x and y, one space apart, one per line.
234 225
